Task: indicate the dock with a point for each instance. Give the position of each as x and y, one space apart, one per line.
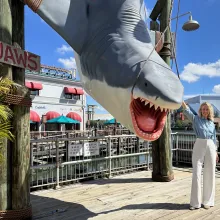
128 196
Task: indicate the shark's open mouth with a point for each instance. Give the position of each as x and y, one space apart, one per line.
148 119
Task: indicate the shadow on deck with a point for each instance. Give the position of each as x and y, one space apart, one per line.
129 196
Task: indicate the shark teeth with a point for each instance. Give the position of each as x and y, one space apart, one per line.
151 104
156 107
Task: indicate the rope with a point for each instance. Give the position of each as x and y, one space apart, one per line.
148 58
33 4
22 214
172 44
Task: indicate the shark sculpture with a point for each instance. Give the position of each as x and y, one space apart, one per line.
112 47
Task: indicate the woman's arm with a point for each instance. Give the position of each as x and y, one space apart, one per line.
184 105
189 114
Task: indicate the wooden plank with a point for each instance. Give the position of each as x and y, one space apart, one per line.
122 197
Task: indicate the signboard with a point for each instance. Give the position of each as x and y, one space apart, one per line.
75 149
89 149
20 58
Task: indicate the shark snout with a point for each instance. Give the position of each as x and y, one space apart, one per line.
159 85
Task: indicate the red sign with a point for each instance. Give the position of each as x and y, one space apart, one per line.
20 58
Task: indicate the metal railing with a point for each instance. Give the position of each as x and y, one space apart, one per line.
77 133
182 147
62 160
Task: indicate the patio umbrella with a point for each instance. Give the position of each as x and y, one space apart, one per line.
112 121
63 120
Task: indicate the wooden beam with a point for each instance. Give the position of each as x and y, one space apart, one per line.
154 25
157 9
5 71
161 149
21 122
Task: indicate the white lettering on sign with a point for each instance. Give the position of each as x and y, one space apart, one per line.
75 149
20 58
91 149
87 149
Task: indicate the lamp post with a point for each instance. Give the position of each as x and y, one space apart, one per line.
161 148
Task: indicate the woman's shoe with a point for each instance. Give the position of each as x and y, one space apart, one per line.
206 207
192 208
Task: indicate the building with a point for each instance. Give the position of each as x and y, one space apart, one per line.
55 92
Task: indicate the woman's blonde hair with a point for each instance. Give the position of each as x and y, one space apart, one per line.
211 112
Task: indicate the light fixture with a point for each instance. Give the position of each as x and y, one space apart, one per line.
191 25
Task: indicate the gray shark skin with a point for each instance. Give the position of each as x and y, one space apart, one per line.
111 44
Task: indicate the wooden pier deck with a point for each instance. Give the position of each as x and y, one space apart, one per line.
130 196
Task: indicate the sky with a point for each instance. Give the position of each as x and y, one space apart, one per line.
197 52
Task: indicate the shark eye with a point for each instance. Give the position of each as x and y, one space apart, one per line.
145 84
87 10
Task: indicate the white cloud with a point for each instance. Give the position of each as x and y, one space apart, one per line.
193 71
100 108
64 49
68 63
216 89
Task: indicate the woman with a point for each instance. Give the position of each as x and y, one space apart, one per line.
204 150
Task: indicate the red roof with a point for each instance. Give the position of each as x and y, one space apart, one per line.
52 114
34 85
75 91
34 116
74 116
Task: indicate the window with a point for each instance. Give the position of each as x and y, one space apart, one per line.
76 97
72 96
34 92
68 96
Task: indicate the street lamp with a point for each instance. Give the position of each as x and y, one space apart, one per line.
190 25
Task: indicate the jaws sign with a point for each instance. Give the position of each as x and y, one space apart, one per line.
20 58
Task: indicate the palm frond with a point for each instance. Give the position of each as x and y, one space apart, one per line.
5 131
6 85
5 113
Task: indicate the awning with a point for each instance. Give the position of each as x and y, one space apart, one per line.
52 114
79 91
112 121
62 120
34 85
74 116
34 117
75 91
